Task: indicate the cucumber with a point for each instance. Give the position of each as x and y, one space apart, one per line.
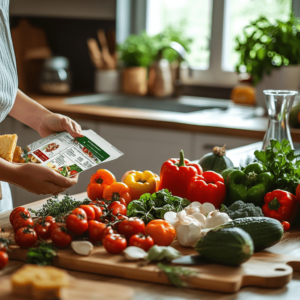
264 231
231 246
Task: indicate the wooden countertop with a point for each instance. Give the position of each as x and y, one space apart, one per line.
150 291
251 128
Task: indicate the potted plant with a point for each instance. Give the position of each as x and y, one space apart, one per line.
136 53
270 53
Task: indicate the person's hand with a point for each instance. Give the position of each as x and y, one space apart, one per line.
41 180
52 123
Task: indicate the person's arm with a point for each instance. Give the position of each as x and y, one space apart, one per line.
34 178
33 114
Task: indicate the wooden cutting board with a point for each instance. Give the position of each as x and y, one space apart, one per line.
78 290
263 269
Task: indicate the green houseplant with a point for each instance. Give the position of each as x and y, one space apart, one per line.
266 46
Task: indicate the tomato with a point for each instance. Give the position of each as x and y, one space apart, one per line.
286 225
25 237
141 241
3 259
76 222
59 169
117 207
116 191
108 231
90 212
2 247
16 211
97 210
121 217
114 243
50 219
131 227
22 222
73 172
19 215
162 232
43 230
95 191
96 230
85 150
60 237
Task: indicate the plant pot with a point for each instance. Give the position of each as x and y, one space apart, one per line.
107 81
285 78
134 81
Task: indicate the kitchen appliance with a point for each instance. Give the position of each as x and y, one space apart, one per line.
279 104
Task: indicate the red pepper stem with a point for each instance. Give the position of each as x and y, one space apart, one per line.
181 160
274 204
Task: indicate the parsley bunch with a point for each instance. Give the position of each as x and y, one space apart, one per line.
43 255
281 160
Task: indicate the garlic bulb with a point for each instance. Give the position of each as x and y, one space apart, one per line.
82 247
188 235
216 218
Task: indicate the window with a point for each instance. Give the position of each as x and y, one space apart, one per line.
213 25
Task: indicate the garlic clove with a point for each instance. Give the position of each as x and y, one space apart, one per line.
200 218
171 217
188 235
135 253
181 215
206 208
82 247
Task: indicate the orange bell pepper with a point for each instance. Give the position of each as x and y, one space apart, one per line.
140 183
101 179
116 191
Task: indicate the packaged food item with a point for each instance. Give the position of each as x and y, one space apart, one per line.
37 282
69 156
8 144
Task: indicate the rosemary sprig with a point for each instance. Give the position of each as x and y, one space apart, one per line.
42 255
56 208
178 276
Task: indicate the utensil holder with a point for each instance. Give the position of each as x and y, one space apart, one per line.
107 81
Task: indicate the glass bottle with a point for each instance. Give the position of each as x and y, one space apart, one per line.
279 104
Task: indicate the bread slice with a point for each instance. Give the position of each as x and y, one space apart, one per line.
8 143
37 282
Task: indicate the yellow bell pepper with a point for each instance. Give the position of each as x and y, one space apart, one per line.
140 183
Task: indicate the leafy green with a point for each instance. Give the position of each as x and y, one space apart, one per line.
265 46
157 253
178 276
150 207
43 255
57 208
75 168
281 160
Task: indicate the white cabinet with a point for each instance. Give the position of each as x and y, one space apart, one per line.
144 148
204 143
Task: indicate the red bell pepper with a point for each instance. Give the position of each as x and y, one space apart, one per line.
175 175
208 187
280 205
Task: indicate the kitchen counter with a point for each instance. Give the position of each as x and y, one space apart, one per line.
193 122
150 291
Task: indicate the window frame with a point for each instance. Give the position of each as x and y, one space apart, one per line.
213 76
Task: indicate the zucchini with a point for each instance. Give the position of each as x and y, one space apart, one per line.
231 246
264 231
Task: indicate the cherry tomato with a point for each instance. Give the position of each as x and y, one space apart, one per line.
114 243
55 225
131 227
90 212
19 215
60 237
73 172
286 225
3 259
108 231
96 230
16 211
162 232
85 150
25 237
50 219
117 207
97 210
2 247
141 241
121 217
43 230
76 222
22 222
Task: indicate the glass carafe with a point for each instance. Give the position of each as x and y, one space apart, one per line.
279 104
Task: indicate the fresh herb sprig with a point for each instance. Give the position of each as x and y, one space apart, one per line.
178 276
281 160
150 207
42 255
56 208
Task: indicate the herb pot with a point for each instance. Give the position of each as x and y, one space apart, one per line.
134 81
